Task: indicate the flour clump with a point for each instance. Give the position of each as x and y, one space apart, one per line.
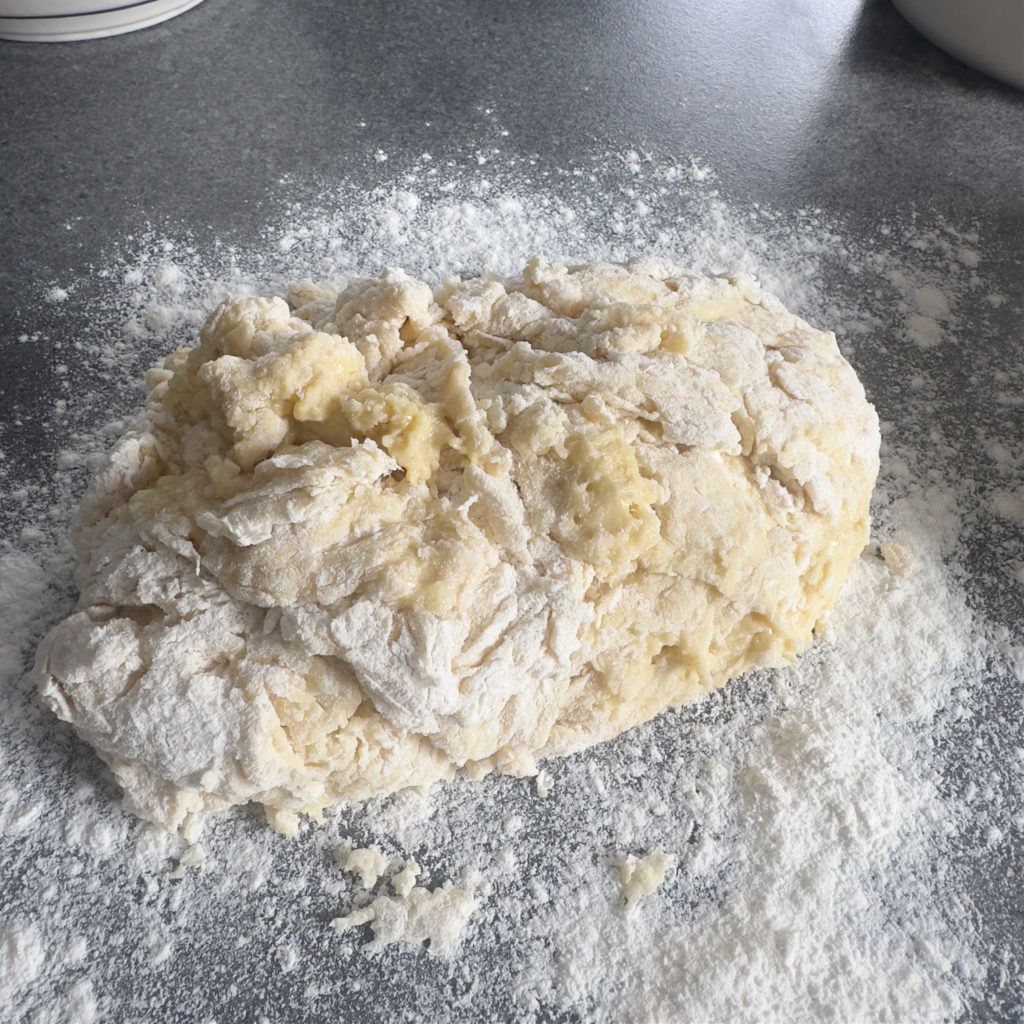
365 539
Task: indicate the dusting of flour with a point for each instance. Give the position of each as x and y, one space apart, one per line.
827 825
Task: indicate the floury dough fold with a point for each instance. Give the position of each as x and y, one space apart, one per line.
363 540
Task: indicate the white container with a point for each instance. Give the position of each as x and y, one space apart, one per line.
987 34
55 21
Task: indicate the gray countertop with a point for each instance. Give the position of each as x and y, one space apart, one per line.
236 116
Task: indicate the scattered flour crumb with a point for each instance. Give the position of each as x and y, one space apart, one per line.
287 957
80 1004
17 816
404 882
161 952
436 917
640 876
1001 455
925 331
368 863
537 891
1008 504
408 807
931 302
512 824
76 950
505 860
22 955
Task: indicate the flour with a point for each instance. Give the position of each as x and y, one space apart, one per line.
21 591
22 955
829 823
815 805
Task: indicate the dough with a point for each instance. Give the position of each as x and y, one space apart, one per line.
640 876
368 863
423 916
363 540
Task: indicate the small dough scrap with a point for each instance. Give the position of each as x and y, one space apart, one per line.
640 876
368 863
404 881
423 916
385 534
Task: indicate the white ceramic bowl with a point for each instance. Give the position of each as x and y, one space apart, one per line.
987 34
55 21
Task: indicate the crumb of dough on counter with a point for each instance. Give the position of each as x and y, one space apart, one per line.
368 864
434 918
640 876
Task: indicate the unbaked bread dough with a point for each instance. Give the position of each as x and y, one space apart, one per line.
363 540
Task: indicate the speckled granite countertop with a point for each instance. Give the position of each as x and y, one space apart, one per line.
209 126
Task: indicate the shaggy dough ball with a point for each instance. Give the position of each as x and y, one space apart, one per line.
366 539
